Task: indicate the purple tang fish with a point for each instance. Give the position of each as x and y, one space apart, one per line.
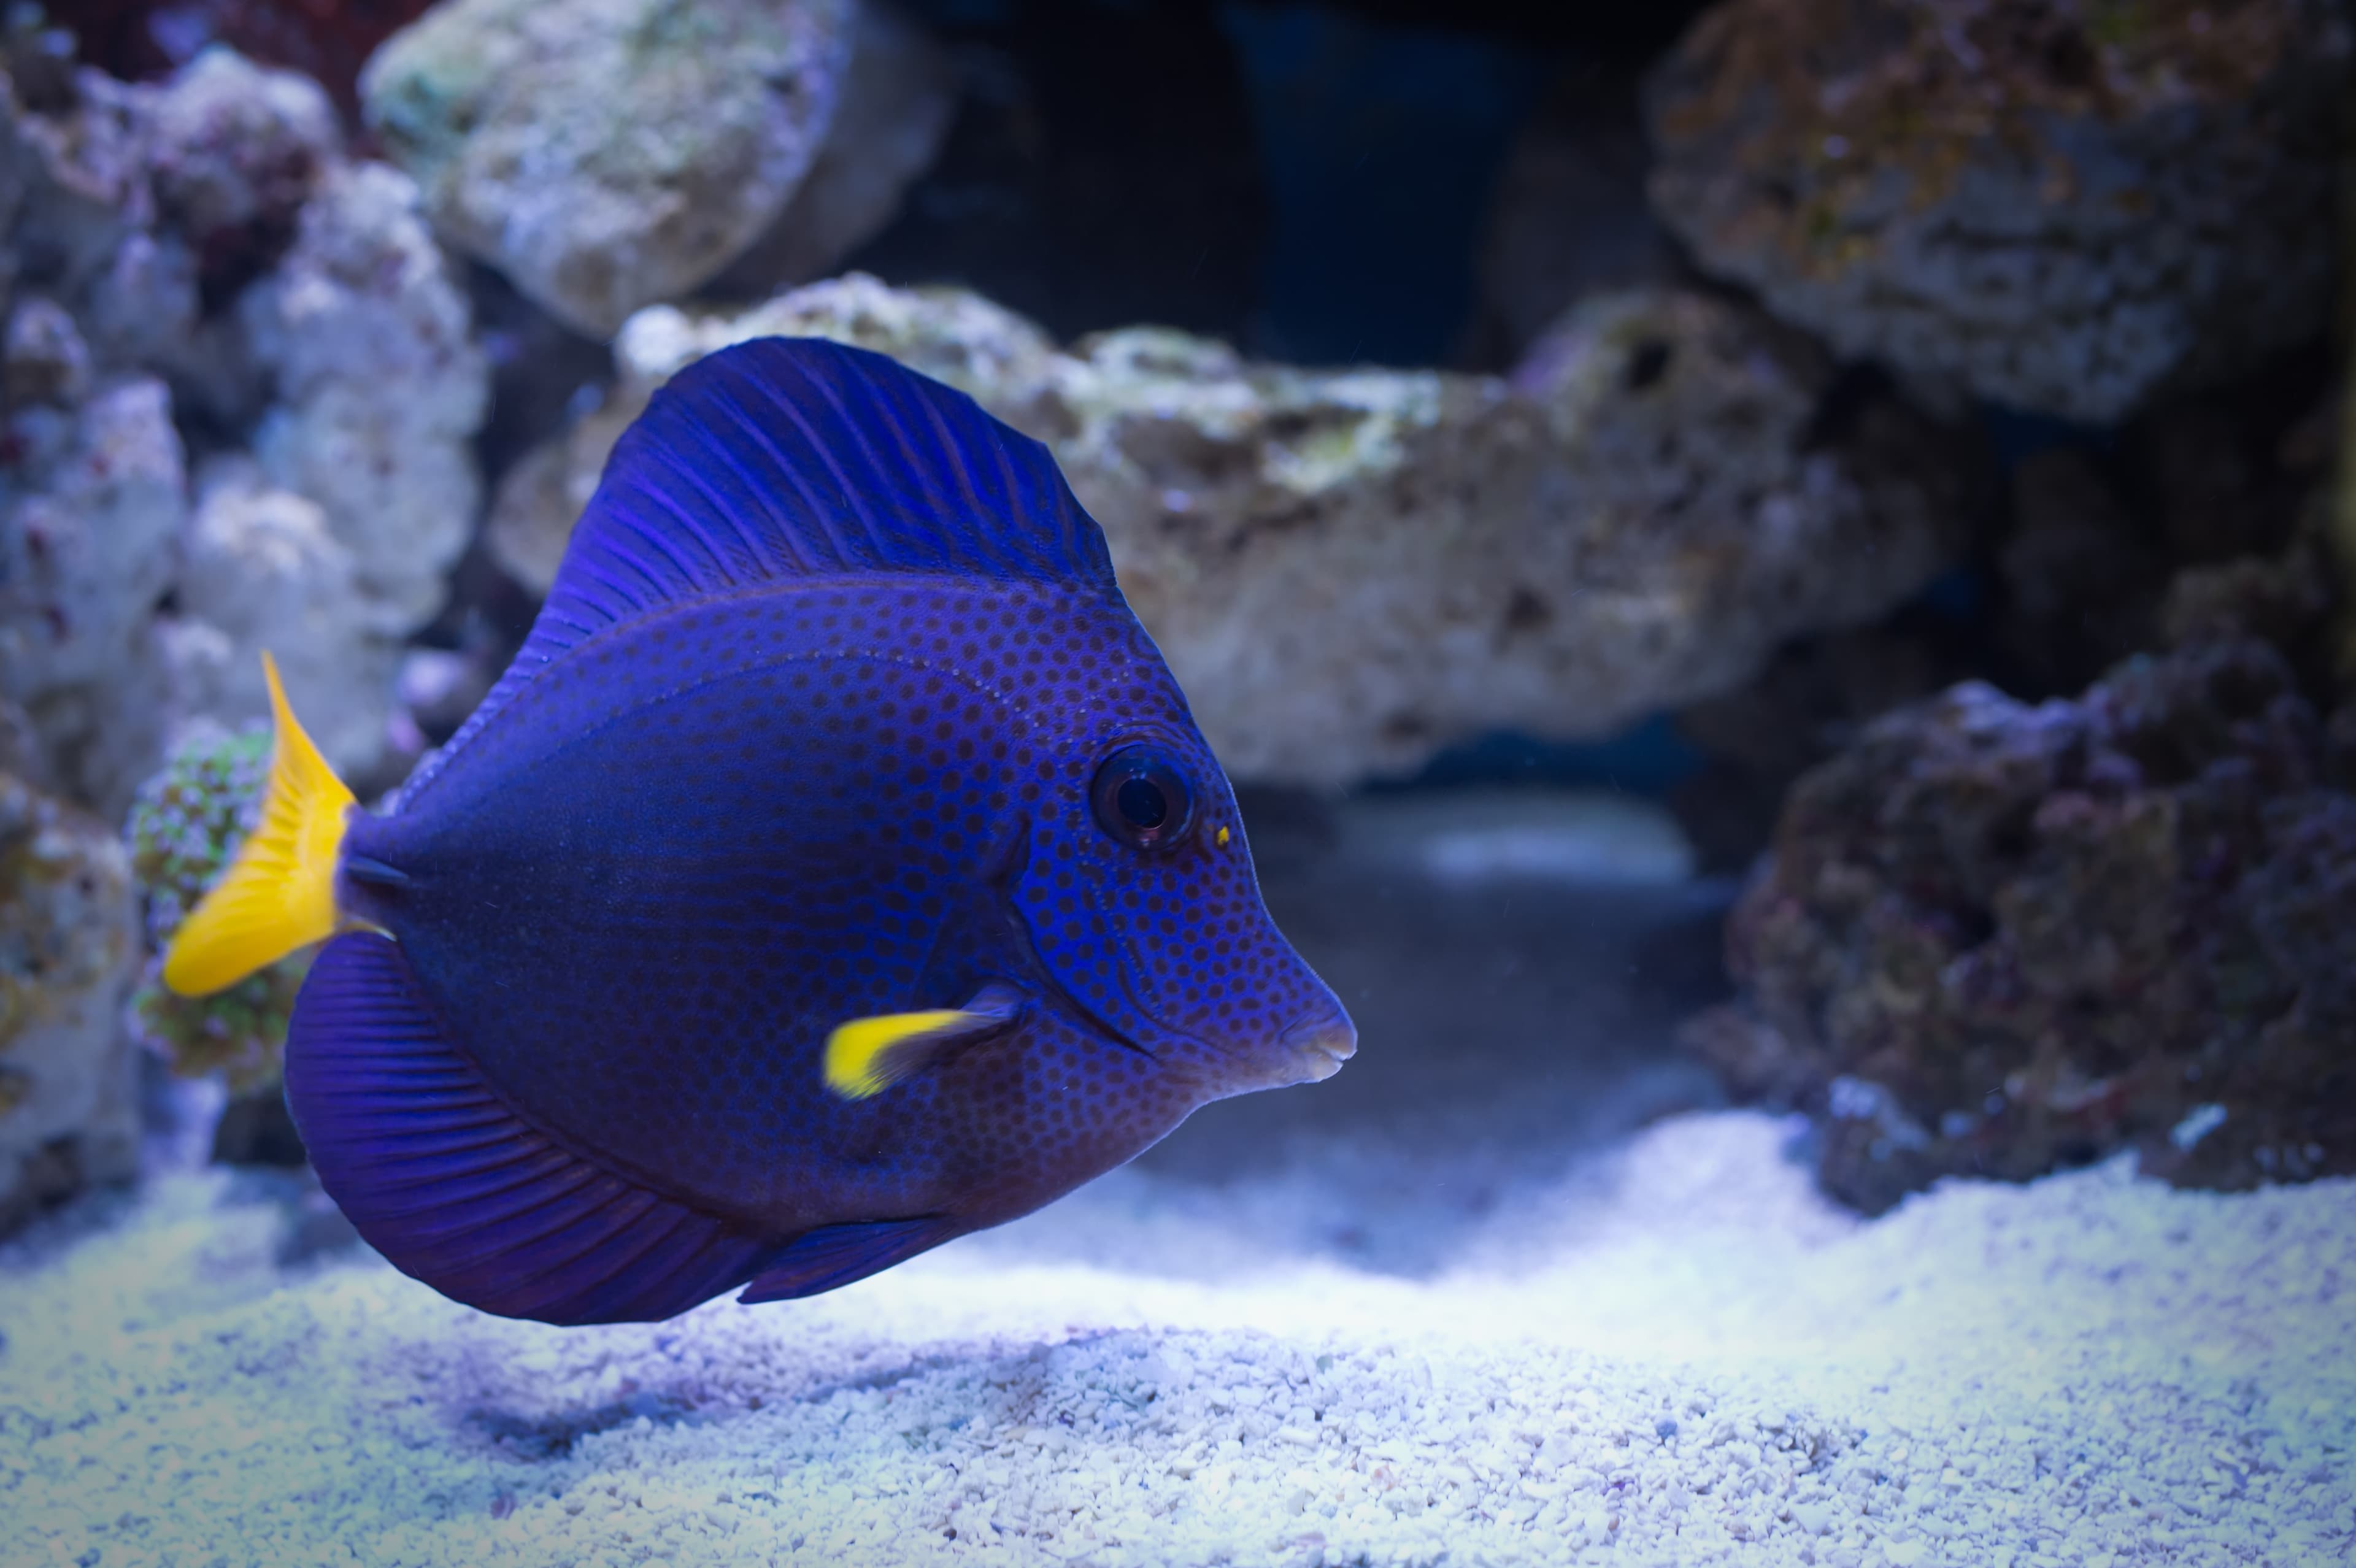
837 870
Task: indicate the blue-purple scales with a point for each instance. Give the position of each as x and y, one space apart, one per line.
834 713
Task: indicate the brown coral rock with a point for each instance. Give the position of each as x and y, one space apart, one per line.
1994 939
2059 206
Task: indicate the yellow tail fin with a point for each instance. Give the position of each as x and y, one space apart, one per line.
279 894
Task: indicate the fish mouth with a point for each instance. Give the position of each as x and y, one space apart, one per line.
1321 1043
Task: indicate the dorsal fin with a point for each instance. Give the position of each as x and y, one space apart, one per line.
790 458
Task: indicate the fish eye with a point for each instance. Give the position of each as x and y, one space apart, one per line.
1142 798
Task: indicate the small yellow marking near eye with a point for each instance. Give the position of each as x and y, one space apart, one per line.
1223 838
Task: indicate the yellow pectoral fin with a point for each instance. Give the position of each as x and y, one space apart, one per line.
279 893
867 1056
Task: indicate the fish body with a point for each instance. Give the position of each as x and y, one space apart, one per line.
648 898
837 870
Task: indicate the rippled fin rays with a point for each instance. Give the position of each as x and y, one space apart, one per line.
794 458
835 1256
456 1189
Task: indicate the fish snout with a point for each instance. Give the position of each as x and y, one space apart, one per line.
1321 1041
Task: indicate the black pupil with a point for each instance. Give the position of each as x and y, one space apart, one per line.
1141 802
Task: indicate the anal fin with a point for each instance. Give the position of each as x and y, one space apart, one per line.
835 1256
455 1189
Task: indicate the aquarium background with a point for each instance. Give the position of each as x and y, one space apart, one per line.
1772 579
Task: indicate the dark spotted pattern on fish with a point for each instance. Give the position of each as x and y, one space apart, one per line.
806 735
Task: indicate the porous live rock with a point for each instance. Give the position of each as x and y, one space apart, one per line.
1349 570
540 496
197 255
2089 570
263 571
2285 598
379 387
236 152
43 359
68 1102
77 180
90 513
608 154
2061 208
897 95
1995 938
326 41
21 752
162 202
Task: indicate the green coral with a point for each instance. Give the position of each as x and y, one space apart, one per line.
184 826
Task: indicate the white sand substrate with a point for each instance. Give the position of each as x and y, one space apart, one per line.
1668 1351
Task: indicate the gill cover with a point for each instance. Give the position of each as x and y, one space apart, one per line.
279 893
